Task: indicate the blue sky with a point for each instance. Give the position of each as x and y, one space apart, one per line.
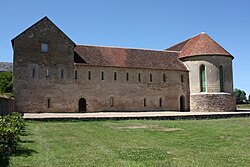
153 24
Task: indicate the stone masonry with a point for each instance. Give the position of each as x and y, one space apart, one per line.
53 74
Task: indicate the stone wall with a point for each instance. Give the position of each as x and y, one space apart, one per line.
213 102
126 95
36 72
6 106
212 64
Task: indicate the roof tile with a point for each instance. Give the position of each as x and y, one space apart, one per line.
133 58
200 44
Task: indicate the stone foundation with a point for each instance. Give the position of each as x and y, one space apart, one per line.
212 102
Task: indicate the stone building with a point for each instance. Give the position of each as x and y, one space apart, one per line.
53 74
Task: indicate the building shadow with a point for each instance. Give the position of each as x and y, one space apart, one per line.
18 151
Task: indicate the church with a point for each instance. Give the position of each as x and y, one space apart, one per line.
51 73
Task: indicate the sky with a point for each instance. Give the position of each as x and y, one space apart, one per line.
150 24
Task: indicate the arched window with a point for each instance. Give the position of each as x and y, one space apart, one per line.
221 79
203 78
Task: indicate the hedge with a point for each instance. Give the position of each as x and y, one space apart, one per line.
11 127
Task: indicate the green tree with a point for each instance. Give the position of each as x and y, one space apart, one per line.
6 82
240 96
248 99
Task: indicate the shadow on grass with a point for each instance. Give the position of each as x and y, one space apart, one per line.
19 151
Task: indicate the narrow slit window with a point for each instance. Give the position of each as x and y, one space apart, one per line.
144 102
102 75
160 102
47 73
127 76
150 78
89 75
111 101
44 47
164 78
115 76
182 78
33 73
75 74
139 77
48 102
62 74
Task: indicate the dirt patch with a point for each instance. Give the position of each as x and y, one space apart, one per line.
150 127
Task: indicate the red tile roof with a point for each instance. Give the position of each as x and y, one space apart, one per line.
200 44
126 57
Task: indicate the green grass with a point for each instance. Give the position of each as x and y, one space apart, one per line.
243 107
224 142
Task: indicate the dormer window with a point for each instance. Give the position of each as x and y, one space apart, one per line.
44 47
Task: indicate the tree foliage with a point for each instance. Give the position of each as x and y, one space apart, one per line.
6 82
240 96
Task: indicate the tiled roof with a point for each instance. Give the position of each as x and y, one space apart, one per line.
200 44
126 57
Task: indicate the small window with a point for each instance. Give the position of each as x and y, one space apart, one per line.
127 77
221 71
111 101
144 102
182 78
61 74
44 47
150 78
33 73
115 76
89 75
203 78
47 73
48 102
139 77
164 78
75 74
102 75
160 102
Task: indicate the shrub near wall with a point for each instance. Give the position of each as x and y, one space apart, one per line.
11 126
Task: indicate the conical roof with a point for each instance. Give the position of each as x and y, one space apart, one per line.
201 44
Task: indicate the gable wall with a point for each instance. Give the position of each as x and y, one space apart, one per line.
28 56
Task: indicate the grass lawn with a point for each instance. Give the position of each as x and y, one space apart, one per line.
243 107
215 143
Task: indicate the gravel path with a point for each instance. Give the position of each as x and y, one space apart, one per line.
136 115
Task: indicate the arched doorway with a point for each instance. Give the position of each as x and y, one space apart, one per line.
82 105
182 103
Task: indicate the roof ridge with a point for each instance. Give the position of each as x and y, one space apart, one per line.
202 44
185 40
120 47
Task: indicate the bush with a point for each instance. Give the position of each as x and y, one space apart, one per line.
11 126
6 82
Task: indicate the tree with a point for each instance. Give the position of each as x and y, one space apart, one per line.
240 96
248 99
6 82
